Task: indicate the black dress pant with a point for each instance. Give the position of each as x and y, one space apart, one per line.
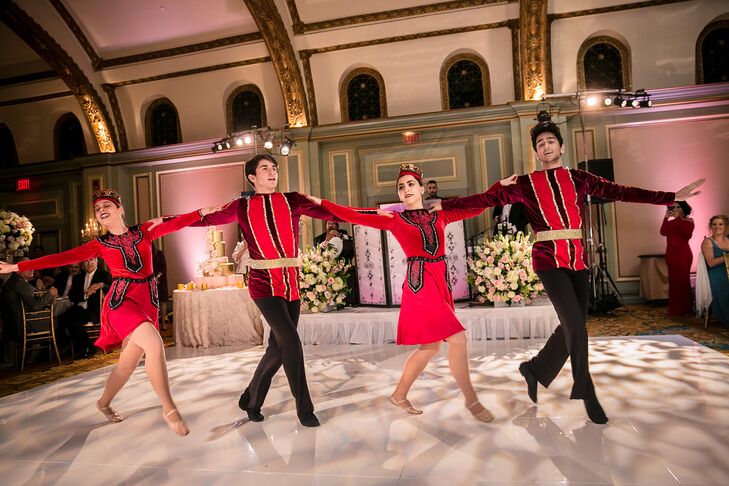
71 322
568 290
284 347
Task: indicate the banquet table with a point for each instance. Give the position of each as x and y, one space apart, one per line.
216 317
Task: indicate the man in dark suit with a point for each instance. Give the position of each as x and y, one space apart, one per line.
64 279
346 249
511 214
15 293
85 295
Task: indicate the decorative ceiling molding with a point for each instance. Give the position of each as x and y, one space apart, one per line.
33 99
177 51
611 9
515 62
190 72
99 63
27 78
48 49
274 33
533 48
121 130
310 91
402 38
300 27
77 32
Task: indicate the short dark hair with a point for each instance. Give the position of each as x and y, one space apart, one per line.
684 207
542 127
252 165
433 181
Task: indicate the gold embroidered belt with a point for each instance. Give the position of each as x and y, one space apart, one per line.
274 263
561 234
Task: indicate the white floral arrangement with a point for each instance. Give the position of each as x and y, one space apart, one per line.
209 267
501 270
323 279
16 234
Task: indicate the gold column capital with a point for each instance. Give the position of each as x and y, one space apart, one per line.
534 48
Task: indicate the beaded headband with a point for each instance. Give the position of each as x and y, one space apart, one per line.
410 169
109 194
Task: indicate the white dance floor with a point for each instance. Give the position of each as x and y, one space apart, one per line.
667 399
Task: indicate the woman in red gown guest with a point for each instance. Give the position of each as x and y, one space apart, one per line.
129 313
678 231
427 314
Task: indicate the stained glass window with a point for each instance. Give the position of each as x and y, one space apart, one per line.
603 67
465 85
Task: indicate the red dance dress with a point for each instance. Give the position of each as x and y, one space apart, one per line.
678 232
427 314
133 297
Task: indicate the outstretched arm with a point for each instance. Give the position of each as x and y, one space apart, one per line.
171 224
451 215
506 191
78 254
227 213
305 205
597 186
366 217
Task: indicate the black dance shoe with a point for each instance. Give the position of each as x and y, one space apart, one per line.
309 421
594 410
531 380
255 415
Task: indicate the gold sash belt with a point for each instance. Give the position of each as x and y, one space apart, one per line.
561 234
274 263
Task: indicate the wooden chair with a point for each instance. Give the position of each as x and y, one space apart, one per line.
39 327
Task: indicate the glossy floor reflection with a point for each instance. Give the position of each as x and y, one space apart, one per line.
667 399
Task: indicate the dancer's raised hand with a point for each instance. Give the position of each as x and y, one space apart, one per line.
687 192
314 199
509 180
8 267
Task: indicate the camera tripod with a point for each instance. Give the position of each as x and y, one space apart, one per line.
604 294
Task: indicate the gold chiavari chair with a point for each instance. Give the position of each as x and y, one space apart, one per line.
39 327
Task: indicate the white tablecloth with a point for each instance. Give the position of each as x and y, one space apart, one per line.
218 317
367 325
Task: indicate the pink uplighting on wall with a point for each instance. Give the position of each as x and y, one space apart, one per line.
668 156
184 191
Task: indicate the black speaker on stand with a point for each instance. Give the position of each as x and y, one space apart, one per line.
604 294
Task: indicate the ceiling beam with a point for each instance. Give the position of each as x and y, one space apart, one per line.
51 52
271 26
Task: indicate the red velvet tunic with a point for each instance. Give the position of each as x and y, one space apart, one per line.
133 297
426 314
554 199
678 260
270 224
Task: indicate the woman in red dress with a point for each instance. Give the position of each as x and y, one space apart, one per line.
129 313
427 314
678 232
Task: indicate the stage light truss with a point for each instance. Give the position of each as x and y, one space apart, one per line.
272 140
618 98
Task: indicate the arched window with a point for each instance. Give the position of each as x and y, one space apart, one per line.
162 124
712 53
8 154
245 109
68 138
603 63
464 82
362 96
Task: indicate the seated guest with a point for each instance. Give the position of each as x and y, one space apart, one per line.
337 238
85 297
64 280
715 250
16 292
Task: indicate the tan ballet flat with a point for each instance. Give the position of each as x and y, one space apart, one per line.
179 427
405 405
110 414
483 416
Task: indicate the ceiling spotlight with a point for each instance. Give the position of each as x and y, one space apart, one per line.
607 101
268 144
592 101
238 141
646 103
227 144
286 146
620 101
220 146
635 103
248 139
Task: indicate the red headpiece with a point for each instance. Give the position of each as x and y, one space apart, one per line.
410 169
109 194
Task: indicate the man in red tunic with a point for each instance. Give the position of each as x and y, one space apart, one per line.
554 198
269 221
